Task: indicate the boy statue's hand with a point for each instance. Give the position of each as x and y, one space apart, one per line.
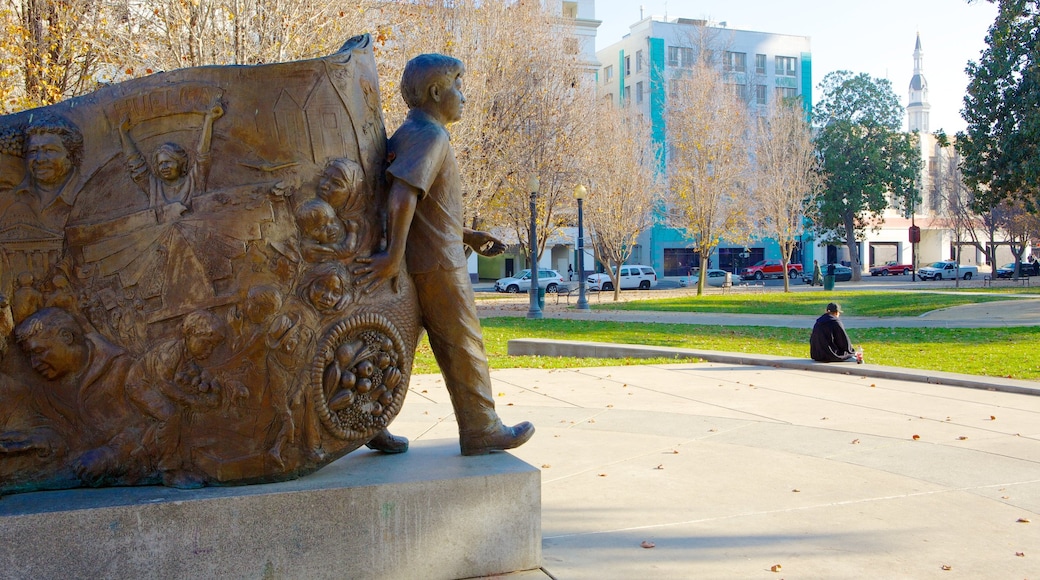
484 243
375 270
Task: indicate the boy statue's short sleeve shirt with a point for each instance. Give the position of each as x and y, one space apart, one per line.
421 155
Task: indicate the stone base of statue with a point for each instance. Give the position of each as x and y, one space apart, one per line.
429 513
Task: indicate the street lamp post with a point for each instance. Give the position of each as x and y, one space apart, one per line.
534 311
583 304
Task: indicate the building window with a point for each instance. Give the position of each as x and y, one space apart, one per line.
639 60
785 66
735 62
681 56
760 64
628 66
786 93
570 9
760 94
639 92
608 74
739 91
609 97
627 95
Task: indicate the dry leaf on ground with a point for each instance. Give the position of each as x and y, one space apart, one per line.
647 544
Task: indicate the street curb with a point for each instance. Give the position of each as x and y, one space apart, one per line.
584 349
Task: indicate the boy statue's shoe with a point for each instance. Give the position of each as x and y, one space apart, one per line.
388 443
498 439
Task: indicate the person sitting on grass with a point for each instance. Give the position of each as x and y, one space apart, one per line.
829 341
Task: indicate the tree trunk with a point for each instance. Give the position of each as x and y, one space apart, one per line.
703 274
850 242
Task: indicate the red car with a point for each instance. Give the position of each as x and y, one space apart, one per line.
770 269
891 268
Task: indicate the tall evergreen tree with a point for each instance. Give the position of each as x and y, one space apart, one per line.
868 162
999 148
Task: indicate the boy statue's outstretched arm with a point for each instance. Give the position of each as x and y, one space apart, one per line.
483 243
380 267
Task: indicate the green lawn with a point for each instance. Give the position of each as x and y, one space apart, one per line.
853 303
998 352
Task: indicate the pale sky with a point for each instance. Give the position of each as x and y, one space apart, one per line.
874 37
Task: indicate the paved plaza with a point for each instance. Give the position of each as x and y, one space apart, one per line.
728 471
722 470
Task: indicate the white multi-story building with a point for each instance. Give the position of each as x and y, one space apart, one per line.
636 71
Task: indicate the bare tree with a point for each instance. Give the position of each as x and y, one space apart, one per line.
623 174
525 102
708 162
787 176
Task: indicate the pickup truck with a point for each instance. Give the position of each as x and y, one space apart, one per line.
770 269
890 268
946 270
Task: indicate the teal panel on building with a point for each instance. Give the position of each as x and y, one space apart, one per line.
807 82
621 77
657 95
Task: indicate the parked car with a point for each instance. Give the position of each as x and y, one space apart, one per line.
770 269
947 270
713 277
1026 270
521 282
893 268
637 276
841 273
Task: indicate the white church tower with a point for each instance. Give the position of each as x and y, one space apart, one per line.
917 110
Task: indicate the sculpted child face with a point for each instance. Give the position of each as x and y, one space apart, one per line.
334 187
326 292
168 166
48 160
325 228
449 101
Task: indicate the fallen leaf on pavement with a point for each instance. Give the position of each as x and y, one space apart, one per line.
796 490
962 438
855 441
1023 520
992 418
774 568
661 466
1020 554
916 437
602 474
546 466
647 544
1005 497
947 567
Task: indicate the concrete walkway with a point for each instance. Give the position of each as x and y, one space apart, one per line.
717 470
751 468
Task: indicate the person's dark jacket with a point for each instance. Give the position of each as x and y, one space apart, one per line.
829 341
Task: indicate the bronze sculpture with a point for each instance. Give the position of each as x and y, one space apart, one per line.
179 262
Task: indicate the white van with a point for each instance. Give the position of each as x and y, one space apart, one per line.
632 277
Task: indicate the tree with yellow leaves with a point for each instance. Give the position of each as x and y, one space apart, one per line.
708 162
624 185
787 178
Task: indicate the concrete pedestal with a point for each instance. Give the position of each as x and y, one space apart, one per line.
429 513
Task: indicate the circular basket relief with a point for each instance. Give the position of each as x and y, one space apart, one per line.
356 378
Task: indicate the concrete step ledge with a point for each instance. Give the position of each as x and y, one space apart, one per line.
429 513
583 349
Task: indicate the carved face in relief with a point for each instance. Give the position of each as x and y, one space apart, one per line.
335 187
48 160
326 292
201 346
52 354
318 222
168 167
